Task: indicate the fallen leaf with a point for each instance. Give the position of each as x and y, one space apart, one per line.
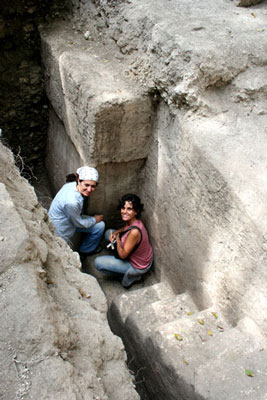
70 42
215 315
178 337
253 14
190 313
249 372
260 30
106 61
209 332
201 321
49 282
82 293
185 362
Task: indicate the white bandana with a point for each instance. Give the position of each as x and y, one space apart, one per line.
87 173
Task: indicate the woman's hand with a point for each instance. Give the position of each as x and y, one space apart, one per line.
98 218
112 237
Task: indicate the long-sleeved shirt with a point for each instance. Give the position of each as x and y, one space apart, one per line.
66 211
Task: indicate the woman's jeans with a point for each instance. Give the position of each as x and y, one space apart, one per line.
113 266
91 237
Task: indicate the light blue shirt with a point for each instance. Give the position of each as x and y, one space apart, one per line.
66 211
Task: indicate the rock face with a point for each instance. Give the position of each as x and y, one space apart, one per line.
55 340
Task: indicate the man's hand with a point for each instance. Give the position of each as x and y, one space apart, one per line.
99 218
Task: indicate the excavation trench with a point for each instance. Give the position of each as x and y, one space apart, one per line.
112 288
191 318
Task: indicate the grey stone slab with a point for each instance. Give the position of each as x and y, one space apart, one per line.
221 381
122 306
148 317
178 350
101 108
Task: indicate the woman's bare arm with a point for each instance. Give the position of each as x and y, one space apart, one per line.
131 241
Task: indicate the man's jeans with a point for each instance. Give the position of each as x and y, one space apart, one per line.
113 266
91 237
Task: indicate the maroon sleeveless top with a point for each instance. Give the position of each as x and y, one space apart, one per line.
142 256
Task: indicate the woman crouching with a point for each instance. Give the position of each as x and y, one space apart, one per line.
134 251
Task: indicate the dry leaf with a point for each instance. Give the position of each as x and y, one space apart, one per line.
190 313
82 293
178 337
209 332
215 315
253 14
185 362
249 372
201 321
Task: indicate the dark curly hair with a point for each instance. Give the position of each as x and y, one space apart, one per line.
72 178
136 202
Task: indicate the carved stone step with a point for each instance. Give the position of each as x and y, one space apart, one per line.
125 304
150 316
178 350
229 380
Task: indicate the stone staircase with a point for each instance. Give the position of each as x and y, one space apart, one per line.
186 353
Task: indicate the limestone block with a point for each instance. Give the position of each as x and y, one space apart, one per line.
125 304
231 380
62 158
160 312
175 351
14 235
213 229
100 107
